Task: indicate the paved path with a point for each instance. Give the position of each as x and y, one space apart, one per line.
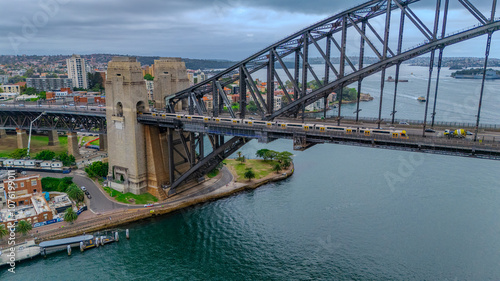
101 203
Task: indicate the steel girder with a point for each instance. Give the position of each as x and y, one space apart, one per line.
13 118
221 150
292 55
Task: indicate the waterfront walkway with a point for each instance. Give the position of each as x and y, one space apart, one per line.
221 186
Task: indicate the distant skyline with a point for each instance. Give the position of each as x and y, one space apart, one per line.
220 29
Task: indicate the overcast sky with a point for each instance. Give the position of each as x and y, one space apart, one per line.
220 29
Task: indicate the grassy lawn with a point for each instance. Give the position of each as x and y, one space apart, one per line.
38 143
84 140
261 168
130 198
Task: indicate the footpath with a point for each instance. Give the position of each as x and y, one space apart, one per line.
223 185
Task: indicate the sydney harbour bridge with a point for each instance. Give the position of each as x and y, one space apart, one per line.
381 30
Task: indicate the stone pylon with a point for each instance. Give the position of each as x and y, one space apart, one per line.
170 78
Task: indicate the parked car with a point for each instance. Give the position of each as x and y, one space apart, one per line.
88 196
469 133
83 188
149 205
404 123
430 131
87 192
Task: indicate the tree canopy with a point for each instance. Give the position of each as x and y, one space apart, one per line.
19 153
67 159
97 169
45 155
23 227
3 231
249 174
75 193
70 215
149 77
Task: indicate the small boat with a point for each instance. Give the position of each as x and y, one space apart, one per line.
422 99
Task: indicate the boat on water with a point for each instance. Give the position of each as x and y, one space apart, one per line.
422 99
390 79
22 251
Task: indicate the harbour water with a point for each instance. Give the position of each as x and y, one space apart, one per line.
457 98
346 213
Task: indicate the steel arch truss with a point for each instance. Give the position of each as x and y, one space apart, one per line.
328 38
200 164
52 120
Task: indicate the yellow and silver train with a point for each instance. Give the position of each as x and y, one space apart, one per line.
321 128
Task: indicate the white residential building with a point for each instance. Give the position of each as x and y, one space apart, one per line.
77 71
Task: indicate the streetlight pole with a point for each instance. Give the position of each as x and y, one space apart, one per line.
29 138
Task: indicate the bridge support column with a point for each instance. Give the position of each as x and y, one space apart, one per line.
103 142
53 138
157 175
3 134
22 139
73 148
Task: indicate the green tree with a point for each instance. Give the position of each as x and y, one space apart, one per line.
149 77
235 106
97 169
252 107
1 90
286 164
261 153
75 193
42 95
277 168
67 160
29 91
45 155
23 227
94 81
70 215
19 153
283 156
52 75
3 231
29 73
271 154
16 79
249 174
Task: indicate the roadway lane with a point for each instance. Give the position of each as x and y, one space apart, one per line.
99 202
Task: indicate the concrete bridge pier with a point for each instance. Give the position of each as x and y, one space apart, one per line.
53 138
3 134
73 147
22 138
103 142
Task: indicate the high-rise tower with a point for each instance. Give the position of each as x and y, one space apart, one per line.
77 71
